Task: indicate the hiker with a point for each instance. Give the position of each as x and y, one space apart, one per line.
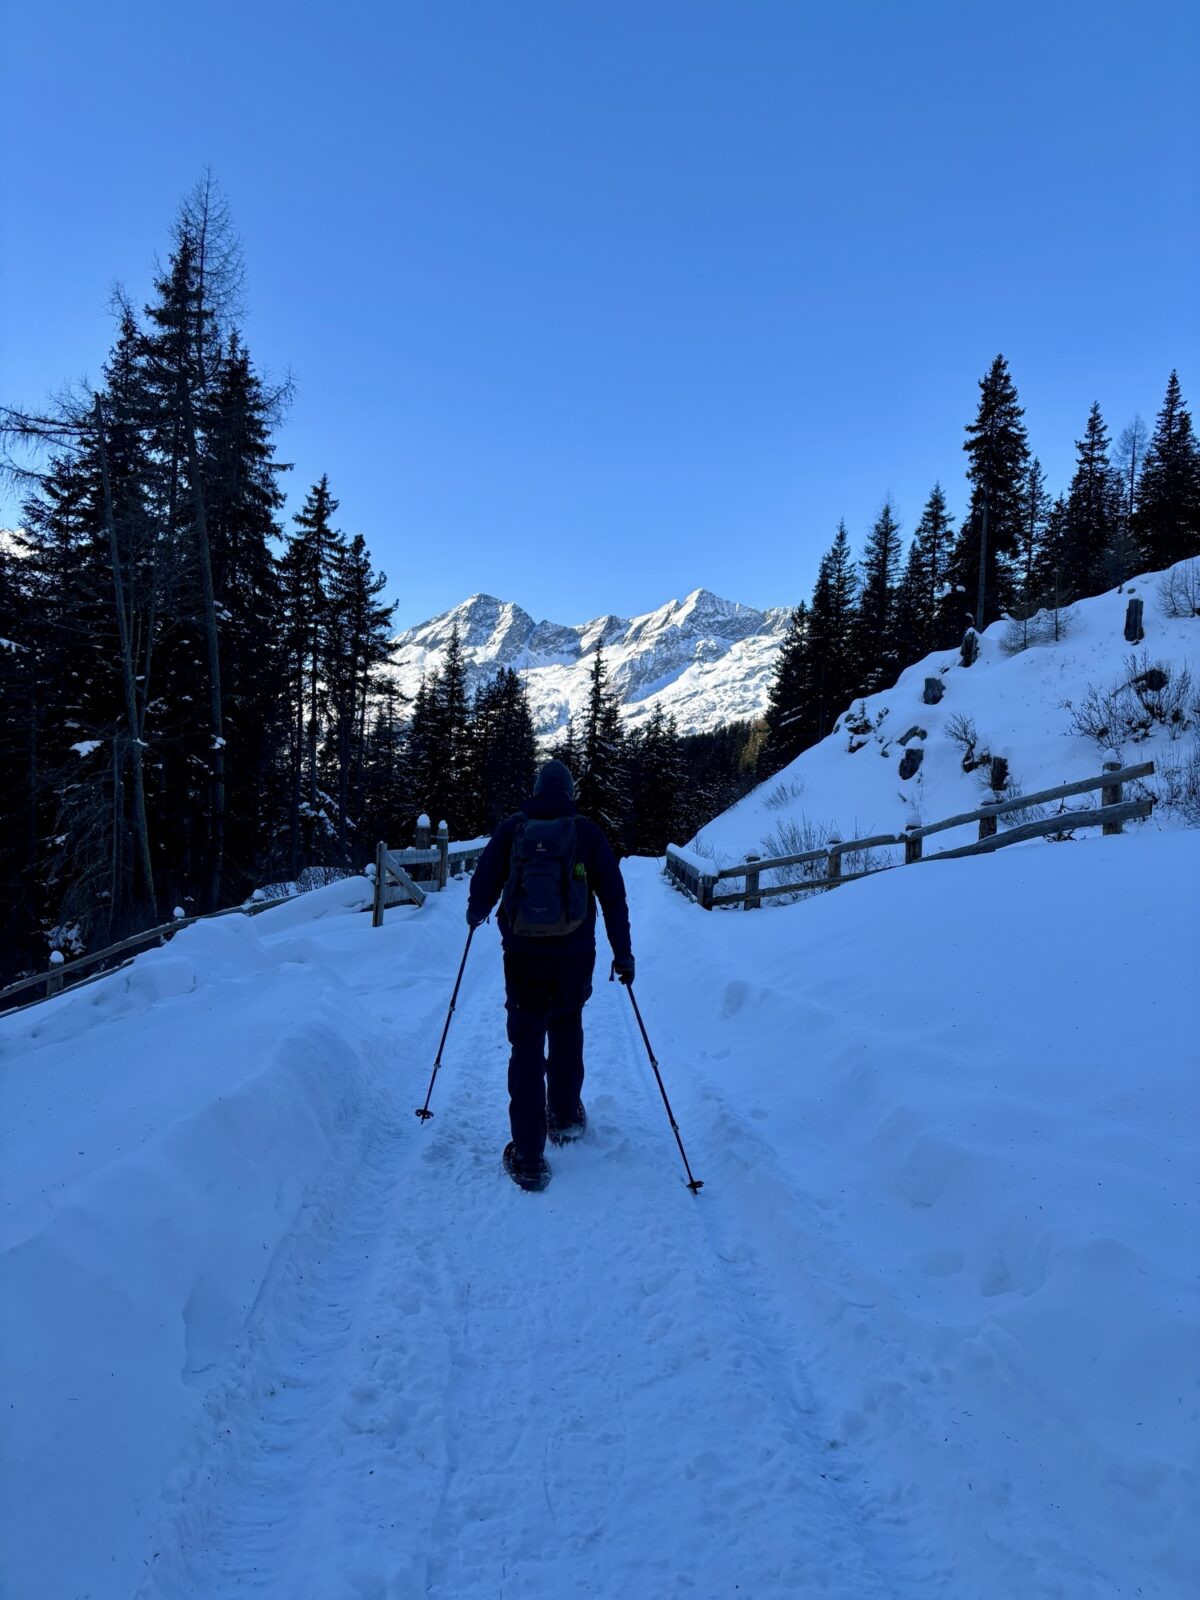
548 867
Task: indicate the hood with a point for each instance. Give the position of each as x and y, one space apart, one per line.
554 782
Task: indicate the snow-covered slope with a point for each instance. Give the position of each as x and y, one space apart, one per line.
930 1329
705 659
1022 706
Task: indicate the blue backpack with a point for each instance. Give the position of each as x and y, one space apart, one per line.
547 894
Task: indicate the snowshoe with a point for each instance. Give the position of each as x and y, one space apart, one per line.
530 1175
566 1132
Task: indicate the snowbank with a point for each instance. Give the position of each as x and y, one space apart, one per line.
162 1130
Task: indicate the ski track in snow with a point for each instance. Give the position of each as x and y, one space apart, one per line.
451 1390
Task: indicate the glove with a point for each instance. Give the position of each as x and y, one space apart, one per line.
623 967
474 919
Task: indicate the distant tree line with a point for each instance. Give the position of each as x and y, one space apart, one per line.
1132 508
473 760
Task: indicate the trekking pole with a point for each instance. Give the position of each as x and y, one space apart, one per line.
423 1111
694 1184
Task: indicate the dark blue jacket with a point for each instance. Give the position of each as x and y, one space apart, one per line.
603 875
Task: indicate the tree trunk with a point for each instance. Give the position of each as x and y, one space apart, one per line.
212 638
983 553
129 684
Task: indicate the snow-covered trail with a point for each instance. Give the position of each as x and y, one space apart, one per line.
929 1329
450 1389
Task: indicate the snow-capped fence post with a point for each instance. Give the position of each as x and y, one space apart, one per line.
753 900
423 830
912 844
54 982
443 850
833 865
1113 793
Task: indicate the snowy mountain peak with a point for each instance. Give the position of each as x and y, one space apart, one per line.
704 659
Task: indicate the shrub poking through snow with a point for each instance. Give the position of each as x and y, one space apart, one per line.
961 731
797 836
1179 590
1178 787
1046 626
783 794
1150 696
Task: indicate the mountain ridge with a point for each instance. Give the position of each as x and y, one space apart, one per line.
703 659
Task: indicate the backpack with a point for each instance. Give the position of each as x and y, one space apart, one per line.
547 893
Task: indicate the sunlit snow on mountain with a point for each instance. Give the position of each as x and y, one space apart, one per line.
705 660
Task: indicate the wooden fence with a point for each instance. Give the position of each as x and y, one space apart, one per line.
822 869
424 869
71 974
407 876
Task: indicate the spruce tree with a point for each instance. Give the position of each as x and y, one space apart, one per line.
657 794
1167 522
832 635
503 751
1092 511
359 638
179 373
243 500
306 575
20 728
566 747
998 455
601 785
875 643
789 696
937 622
1035 511
911 625
453 787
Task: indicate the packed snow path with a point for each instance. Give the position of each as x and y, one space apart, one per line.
456 1390
929 1330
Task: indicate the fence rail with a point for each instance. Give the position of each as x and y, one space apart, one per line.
430 863
69 974
700 879
405 877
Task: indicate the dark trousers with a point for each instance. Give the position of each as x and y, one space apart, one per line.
546 989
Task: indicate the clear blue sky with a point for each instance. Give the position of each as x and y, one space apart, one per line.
592 303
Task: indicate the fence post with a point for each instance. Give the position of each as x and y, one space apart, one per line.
1113 793
987 822
912 844
706 885
380 884
833 866
54 981
443 849
753 899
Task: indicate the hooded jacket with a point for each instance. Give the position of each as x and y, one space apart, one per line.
553 797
